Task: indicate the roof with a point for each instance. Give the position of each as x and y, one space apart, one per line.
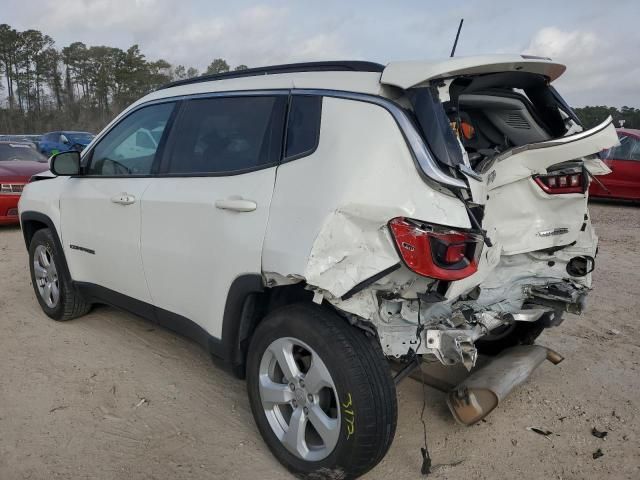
332 66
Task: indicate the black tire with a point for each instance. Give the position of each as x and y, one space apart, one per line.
518 333
71 304
363 383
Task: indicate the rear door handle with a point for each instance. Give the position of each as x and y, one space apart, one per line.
236 205
123 198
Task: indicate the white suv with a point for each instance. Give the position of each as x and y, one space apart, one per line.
307 222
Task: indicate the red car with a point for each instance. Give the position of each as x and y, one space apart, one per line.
18 163
624 161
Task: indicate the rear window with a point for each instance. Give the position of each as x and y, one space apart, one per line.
303 130
17 151
227 134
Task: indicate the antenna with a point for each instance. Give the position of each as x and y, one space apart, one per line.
455 43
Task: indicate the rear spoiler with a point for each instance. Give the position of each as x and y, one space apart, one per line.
410 74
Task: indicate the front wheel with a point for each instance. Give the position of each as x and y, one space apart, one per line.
321 393
54 291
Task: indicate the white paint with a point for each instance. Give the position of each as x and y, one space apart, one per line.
409 74
193 251
330 209
90 219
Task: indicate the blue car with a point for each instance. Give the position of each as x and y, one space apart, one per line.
54 142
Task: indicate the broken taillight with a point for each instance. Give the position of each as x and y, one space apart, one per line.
435 251
561 182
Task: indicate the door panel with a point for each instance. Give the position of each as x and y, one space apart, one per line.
205 224
101 238
192 250
100 210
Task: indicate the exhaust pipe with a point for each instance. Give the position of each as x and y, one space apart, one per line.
483 390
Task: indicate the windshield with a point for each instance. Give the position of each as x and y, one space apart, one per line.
19 151
80 137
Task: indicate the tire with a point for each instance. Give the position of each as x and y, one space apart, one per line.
518 333
359 398
68 303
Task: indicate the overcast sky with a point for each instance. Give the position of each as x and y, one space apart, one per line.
599 40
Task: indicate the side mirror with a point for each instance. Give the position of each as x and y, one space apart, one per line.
65 163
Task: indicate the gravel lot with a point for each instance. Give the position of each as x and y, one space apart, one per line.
111 396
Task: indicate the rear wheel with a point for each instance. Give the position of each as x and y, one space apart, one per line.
321 393
55 293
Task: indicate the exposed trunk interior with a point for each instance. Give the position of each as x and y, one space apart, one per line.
495 112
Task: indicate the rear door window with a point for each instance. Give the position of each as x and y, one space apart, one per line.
303 125
223 135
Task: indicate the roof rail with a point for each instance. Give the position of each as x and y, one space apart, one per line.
335 66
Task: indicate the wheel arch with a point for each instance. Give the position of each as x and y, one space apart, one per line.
31 222
248 302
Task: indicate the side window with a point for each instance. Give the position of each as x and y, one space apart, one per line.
303 126
622 151
130 147
227 134
635 149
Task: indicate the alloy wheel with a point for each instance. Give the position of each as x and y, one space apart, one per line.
299 399
46 276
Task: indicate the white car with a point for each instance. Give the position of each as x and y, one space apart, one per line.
308 222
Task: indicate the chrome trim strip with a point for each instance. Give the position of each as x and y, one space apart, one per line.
418 148
420 152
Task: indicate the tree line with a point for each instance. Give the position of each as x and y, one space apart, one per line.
77 87
628 117
80 87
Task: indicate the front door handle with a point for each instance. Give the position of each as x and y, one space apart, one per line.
236 205
123 198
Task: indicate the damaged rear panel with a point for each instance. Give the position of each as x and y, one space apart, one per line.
435 268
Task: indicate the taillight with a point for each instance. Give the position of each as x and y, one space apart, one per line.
435 251
561 182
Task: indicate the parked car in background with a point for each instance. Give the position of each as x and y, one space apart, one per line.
62 141
18 163
33 138
28 139
624 161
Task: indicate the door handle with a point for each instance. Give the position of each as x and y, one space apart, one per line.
123 198
236 205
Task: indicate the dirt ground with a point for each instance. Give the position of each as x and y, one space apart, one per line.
110 396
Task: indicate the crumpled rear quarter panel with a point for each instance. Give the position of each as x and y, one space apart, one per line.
330 209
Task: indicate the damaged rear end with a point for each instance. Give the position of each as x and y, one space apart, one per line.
525 257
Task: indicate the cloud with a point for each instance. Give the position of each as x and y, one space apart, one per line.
193 35
599 71
596 41
256 36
